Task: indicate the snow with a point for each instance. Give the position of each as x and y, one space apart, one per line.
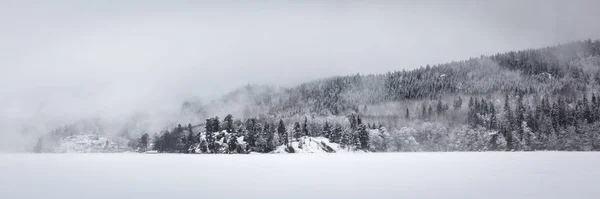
311 145
348 175
89 143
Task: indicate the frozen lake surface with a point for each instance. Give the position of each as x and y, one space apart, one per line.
386 175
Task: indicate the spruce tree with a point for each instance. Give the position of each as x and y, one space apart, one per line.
327 131
493 120
228 124
191 140
440 108
520 117
232 143
458 103
363 136
283 137
143 143
508 122
429 112
336 134
297 130
305 127
251 132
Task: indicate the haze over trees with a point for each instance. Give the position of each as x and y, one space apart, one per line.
537 99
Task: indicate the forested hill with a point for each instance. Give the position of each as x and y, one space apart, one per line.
538 99
565 69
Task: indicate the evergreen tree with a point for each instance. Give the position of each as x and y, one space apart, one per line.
595 108
270 138
228 124
336 134
327 131
363 136
297 130
191 140
493 120
143 143
471 102
429 112
507 126
283 137
216 124
424 111
440 108
520 117
251 132
458 103
232 144
587 113
305 127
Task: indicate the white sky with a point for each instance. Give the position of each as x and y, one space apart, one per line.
65 60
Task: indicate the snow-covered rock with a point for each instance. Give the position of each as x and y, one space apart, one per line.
310 145
90 143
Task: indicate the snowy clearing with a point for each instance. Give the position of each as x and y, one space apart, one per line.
349 175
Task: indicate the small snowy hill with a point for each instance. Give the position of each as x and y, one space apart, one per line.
90 143
311 145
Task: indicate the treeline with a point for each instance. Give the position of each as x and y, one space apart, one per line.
522 123
262 135
523 100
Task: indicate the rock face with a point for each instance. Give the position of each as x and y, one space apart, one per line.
310 145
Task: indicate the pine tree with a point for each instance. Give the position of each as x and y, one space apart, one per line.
297 130
190 140
587 113
270 138
493 120
458 103
251 132
424 111
562 112
283 137
216 124
143 143
228 123
471 102
440 108
305 127
336 134
232 144
507 126
363 136
327 131
520 113
594 109
429 112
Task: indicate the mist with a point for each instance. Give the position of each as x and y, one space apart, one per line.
65 61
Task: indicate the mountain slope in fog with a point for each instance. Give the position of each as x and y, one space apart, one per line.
533 99
564 70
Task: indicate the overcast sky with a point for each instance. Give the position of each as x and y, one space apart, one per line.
63 60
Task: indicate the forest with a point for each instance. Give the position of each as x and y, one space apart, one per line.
536 99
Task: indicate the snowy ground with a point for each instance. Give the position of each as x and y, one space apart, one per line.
390 175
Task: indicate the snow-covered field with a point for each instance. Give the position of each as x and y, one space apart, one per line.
364 175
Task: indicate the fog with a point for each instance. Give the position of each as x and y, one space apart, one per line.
63 61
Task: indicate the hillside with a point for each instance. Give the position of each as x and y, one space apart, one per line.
537 99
